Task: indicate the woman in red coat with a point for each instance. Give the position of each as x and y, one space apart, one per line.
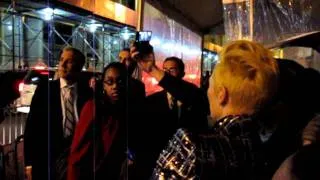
99 146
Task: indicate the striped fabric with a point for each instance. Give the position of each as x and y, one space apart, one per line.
70 121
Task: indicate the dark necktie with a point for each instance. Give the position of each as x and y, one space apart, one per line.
70 122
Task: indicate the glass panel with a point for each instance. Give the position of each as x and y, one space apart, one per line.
170 38
268 21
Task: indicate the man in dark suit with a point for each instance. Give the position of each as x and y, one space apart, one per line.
165 112
179 110
54 113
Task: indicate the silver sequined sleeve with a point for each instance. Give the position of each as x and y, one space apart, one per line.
177 160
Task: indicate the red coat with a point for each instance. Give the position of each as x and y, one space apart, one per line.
90 146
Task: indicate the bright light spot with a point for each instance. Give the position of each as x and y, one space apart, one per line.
154 81
210 56
48 13
47 17
155 41
192 76
125 35
120 12
37 67
204 53
93 27
216 57
167 46
179 48
21 86
10 27
34 79
194 51
23 109
185 49
57 11
115 42
48 10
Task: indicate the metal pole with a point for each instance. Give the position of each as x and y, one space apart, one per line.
201 65
20 40
103 50
140 11
13 34
251 19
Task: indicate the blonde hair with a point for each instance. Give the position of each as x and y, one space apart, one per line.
249 73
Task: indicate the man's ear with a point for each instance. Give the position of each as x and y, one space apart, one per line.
223 95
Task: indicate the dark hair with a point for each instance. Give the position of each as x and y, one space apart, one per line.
178 61
117 65
78 55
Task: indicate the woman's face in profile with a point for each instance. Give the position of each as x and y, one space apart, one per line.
113 84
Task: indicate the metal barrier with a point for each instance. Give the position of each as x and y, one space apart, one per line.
11 143
12 126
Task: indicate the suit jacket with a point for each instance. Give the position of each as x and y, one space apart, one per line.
161 122
43 138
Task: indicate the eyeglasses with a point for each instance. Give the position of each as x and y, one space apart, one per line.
171 70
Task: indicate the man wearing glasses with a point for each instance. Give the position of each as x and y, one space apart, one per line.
168 113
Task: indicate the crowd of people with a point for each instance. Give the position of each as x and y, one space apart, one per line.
249 124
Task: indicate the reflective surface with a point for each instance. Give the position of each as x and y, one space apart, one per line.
170 38
267 21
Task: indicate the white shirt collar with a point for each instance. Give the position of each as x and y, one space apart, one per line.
170 99
63 83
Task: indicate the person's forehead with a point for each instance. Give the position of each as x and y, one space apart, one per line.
67 54
112 72
170 64
124 53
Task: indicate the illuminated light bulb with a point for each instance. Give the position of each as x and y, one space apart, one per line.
93 27
125 35
48 14
216 57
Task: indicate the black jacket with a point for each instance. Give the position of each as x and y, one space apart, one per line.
160 122
43 137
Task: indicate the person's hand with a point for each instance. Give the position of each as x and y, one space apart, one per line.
145 62
28 172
